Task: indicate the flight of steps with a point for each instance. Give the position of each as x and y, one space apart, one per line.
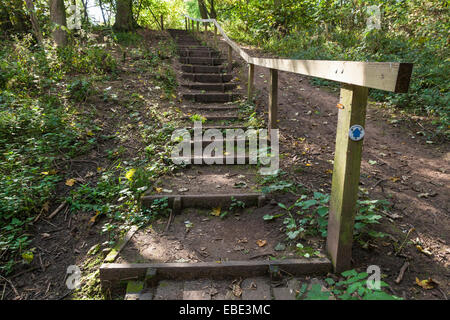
208 89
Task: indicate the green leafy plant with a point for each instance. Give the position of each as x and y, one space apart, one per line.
352 287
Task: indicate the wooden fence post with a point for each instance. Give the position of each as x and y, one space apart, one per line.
273 99
198 27
206 28
230 58
186 23
344 189
215 35
250 83
192 26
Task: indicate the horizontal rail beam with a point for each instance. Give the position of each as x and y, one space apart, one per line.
387 76
116 272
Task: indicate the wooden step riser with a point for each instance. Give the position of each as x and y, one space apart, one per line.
203 69
199 54
216 118
207 77
211 97
212 108
205 201
114 274
202 61
211 87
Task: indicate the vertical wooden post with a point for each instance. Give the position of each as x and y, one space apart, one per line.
192 26
198 27
344 189
273 99
215 35
251 80
230 58
162 22
206 27
186 23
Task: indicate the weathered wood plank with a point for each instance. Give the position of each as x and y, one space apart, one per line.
111 273
273 99
251 81
345 181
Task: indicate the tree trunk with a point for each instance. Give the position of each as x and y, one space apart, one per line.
212 10
58 19
124 16
203 11
17 16
34 22
103 13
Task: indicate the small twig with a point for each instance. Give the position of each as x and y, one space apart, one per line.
22 272
402 272
54 213
168 222
443 293
40 261
12 286
404 241
65 295
52 224
262 255
377 183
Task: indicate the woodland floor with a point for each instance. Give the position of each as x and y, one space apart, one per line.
404 169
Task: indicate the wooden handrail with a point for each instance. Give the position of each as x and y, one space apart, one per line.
387 76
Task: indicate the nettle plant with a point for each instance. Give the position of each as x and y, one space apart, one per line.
309 216
354 286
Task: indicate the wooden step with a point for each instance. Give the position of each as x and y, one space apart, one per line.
222 87
202 61
202 69
212 107
211 97
207 77
196 53
216 117
207 201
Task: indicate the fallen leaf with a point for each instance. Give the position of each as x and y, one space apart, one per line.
94 218
158 190
129 175
261 243
426 283
216 211
45 207
70 182
394 179
424 251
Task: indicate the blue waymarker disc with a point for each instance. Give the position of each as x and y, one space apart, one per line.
356 132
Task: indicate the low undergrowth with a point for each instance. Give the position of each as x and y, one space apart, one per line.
49 115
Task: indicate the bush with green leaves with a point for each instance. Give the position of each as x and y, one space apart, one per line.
353 287
309 216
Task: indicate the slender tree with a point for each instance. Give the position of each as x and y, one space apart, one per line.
34 21
59 22
203 10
